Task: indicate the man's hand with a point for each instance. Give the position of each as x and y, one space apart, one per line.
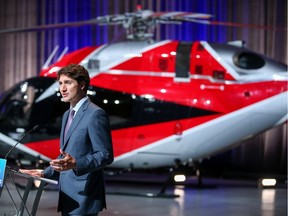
32 172
66 163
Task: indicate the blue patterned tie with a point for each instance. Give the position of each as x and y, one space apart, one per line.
70 118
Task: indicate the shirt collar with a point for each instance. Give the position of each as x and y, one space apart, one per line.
79 104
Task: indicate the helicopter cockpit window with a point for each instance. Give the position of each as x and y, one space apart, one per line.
18 105
29 104
246 60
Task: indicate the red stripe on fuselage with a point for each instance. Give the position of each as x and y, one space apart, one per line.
198 93
129 139
49 148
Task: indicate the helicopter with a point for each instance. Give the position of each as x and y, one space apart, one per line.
169 102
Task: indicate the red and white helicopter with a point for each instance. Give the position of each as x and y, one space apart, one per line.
168 102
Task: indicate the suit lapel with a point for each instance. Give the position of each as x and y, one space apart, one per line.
65 118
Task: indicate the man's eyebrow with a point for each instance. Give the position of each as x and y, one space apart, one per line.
65 81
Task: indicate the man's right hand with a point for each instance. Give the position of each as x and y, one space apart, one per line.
32 172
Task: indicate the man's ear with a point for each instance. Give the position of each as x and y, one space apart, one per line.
82 84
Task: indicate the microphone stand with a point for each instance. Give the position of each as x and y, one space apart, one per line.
23 204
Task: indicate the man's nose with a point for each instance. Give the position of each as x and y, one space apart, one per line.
63 88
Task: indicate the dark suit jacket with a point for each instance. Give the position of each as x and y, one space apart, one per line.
82 191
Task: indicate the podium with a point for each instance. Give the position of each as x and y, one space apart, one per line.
10 174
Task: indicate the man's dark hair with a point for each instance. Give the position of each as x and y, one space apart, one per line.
77 72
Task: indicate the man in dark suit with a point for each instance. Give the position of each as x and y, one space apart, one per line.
85 148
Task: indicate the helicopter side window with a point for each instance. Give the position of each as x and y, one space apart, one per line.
94 64
128 110
248 60
119 106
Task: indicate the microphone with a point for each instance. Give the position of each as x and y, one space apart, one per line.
34 128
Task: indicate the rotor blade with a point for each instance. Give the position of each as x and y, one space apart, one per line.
177 17
50 26
180 14
239 25
162 17
101 20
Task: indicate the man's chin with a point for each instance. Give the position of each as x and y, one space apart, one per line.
64 100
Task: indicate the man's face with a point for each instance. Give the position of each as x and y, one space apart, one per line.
70 90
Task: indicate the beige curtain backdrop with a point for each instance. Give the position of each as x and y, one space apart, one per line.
17 51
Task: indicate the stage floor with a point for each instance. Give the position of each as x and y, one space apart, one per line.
125 197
